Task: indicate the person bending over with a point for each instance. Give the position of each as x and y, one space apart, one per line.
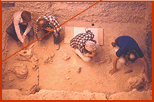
21 27
126 48
84 45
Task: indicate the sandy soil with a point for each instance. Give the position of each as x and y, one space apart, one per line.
116 18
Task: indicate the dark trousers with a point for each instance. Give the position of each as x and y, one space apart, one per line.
42 32
11 31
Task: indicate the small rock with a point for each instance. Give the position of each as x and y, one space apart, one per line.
67 77
47 59
69 71
35 88
34 60
21 71
35 67
135 82
24 55
134 90
66 57
79 70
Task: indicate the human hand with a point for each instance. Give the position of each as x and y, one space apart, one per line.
90 55
23 36
24 44
48 29
93 54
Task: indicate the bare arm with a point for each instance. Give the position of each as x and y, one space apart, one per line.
90 55
112 71
145 69
28 28
17 29
48 29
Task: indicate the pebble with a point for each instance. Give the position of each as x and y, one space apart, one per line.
66 57
79 70
67 77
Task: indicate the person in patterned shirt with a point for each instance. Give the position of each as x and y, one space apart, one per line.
84 45
45 24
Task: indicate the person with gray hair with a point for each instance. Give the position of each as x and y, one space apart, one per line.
84 45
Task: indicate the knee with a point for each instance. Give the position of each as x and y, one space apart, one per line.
31 33
122 60
9 30
86 59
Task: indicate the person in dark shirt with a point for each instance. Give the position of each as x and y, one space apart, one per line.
127 48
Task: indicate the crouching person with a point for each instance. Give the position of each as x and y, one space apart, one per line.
45 24
84 45
127 49
21 27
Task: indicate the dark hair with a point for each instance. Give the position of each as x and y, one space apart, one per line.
44 24
26 16
134 53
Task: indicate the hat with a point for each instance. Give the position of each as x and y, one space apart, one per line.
90 46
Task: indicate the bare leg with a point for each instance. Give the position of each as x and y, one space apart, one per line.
121 60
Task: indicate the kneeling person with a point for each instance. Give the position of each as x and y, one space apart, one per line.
84 45
21 26
45 24
127 48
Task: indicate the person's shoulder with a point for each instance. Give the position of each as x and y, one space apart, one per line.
17 16
18 13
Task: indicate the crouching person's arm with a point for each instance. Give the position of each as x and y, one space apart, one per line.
85 58
90 55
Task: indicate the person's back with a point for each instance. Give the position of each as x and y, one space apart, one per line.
125 41
125 44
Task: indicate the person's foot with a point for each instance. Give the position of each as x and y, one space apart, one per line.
128 71
112 71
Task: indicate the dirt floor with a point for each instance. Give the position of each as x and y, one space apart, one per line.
116 18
